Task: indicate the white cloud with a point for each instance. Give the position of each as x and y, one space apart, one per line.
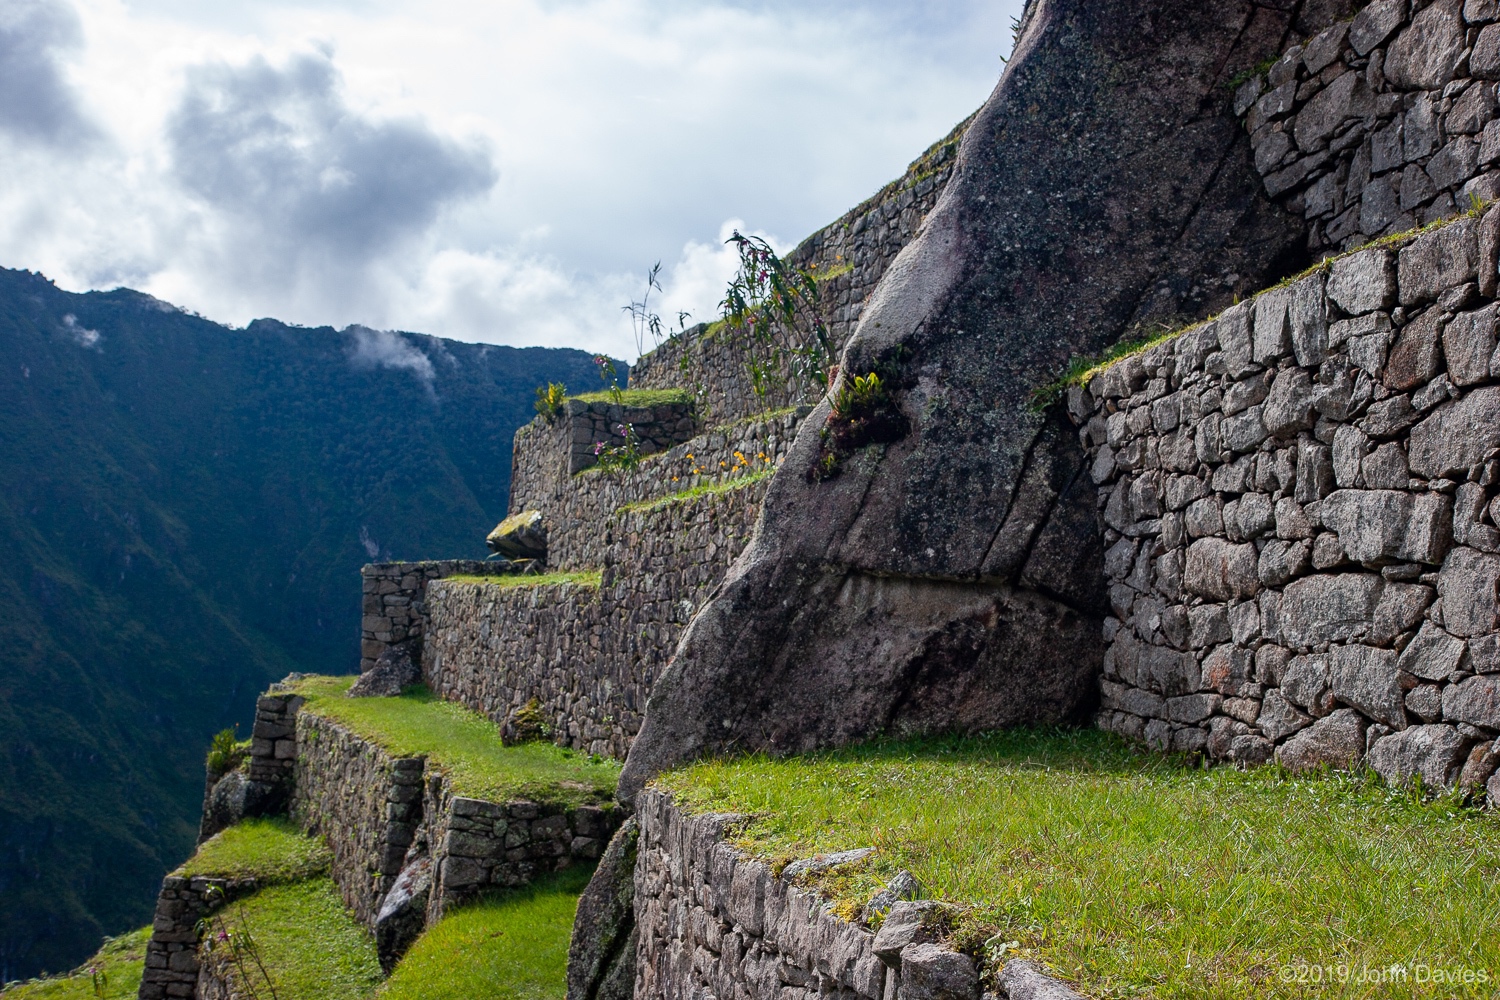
498 171
80 334
387 349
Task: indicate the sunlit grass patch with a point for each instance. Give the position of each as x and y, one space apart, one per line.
586 578
1133 874
466 745
269 850
112 974
509 947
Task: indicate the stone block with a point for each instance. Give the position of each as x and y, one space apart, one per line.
1433 654
1475 701
929 972
1282 561
1367 678
1457 436
1332 607
1272 329
1377 23
1468 343
1221 570
1467 585
1390 525
1437 261
1416 357
1289 405
1433 753
1428 53
1337 741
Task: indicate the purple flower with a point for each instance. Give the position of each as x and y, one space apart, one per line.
598 447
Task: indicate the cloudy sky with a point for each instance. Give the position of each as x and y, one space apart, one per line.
488 170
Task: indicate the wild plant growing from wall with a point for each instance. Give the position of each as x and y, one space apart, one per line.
769 301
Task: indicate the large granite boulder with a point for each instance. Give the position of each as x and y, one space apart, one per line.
601 954
947 578
944 573
520 536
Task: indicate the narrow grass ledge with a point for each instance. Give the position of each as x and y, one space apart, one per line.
272 851
696 493
465 745
512 946
586 578
112 974
637 397
1130 873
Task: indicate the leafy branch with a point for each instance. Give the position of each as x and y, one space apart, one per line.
769 300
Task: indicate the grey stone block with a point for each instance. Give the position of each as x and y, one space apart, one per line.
1433 753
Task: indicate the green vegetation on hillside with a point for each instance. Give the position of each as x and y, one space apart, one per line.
269 850
1131 873
586 578
464 744
184 509
513 946
113 974
311 946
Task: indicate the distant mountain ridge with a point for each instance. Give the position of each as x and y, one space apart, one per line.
184 508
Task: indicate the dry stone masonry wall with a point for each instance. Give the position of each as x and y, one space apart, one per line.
581 512
589 655
1381 123
713 922
364 802
173 963
1300 502
855 251
394 609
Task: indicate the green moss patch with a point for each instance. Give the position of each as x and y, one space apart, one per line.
696 493
1134 874
268 850
309 946
113 974
465 745
509 947
638 397
588 578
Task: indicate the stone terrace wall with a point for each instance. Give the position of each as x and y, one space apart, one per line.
394 610
856 249
172 961
365 803
589 656
580 509
1382 123
1300 502
712 922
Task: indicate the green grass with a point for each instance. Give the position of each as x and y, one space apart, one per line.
638 397
312 948
120 962
696 492
464 744
270 850
508 947
588 578
1132 874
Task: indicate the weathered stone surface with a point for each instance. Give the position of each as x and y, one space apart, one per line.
1221 570
403 912
1417 354
1363 282
1432 655
1438 260
520 536
1021 980
929 972
1378 525
1467 585
1289 407
1475 701
1428 53
393 671
1337 741
1332 607
1367 678
909 923
962 299
1457 436
1433 753
601 953
1376 23
1279 718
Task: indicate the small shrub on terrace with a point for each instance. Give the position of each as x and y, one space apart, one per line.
226 753
550 399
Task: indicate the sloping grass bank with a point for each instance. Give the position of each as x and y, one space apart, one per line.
464 744
513 946
112 974
1133 874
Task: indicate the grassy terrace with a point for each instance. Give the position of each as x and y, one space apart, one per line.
588 578
696 492
1133 874
638 397
464 744
116 972
510 947
272 851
